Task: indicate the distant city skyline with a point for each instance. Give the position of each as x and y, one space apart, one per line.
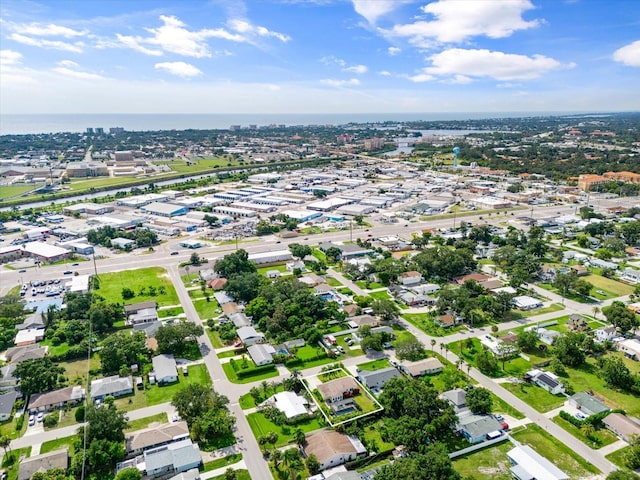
319 56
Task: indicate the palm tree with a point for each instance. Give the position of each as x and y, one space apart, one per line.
596 310
230 474
276 457
299 437
433 343
441 347
587 429
5 443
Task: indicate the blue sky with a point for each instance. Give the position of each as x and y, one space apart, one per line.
323 56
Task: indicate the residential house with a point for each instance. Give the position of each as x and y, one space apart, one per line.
217 283
164 369
603 334
140 440
261 353
332 448
478 277
457 398
576 323
624 427
587 404
527 464
29 336
222 297
630 275
230 308
377 378
134 308
7 400
548 336
547 273
44 402
525 302
449 319
16 355
239 319
144 315
361 320
338 389
419 368
193 474
411 278
426 289
291 404
579 270
415 299
32 322
172 458
114 386
249 336
476 427
546 380
350 310
630 347
41 463
598 263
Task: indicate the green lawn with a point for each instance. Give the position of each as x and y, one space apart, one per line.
535 396
373 437
78 368
489 463
141 423
517 314
214 337
334 282
599 439
197 374
11 461
170 312
7 192
381 294
425 323
221 462
555 451
261 425
111 285
617 289
58 443
205 309
617 457
374 364
280 268
368 285
231 374
240 475
500 406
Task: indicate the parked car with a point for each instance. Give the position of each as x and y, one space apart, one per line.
32 420
500 418
67 272
174 252
40 417
580 416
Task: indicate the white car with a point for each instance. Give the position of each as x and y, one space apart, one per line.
40 417
32 420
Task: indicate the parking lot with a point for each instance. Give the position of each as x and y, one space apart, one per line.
42 288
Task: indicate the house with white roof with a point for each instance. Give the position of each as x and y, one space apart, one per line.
114 386
164 369
291 404
630 275
603 334
528 464
261 353
525 302
249 336
547 380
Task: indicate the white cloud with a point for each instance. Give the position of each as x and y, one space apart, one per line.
352 82
384 73
243 26
629 54
180 69
359 69
174 37
134 44
50 44
421 78
460 80
68 63
485 63
374 9
393 51
9 57
50 30
455 21
68 72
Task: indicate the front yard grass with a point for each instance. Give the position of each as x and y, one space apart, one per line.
615 288
554 450
374 364
380 295
205 309
111 285
517 314
58 443
598 439
233 377
221 462
425 323
141 423
535 396
489 463
261 425
618 457
156 394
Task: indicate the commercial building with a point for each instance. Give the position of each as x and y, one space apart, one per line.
164 209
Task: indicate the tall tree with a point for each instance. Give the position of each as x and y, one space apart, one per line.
38 375
434 464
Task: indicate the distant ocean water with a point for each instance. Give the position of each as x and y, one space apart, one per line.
54 123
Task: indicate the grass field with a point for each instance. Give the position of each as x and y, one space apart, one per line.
618 457
58 443
517 314
206 309
615 288
380 294
261 425
425 323
111 285
599 439
197 374
13 190
374 364
239 475
489 463
535 396
141 423
221 462
555 451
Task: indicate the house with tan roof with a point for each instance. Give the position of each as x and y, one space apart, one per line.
426 366
339 389
332 448
43 402
41 463
141 440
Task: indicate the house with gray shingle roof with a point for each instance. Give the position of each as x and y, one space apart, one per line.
114 386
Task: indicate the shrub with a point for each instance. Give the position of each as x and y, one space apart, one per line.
51 420
79 415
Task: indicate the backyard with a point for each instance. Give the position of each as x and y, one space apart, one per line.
489 463
261 425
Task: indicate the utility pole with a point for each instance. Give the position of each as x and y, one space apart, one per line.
351 230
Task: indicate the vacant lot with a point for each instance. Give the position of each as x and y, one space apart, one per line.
489 463
140 281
